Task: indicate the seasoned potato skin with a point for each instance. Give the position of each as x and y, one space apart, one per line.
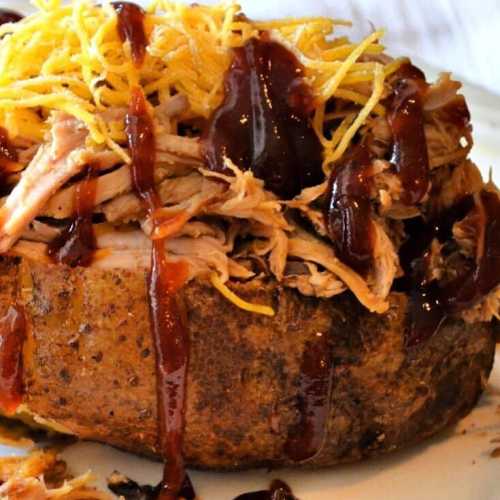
89 365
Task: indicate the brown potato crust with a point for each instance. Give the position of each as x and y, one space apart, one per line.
89 365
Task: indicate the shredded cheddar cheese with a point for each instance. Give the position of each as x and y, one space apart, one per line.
237 301
378 87
69 57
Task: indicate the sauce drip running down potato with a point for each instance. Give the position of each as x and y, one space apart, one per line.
169 329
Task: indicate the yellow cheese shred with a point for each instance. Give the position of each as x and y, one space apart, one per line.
378 88
68 56
237 301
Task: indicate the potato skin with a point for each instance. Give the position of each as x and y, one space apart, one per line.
89 365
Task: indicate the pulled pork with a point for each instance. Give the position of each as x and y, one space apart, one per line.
229 223
42 476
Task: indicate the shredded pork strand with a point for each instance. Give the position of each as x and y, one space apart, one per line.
53 165
386 262
42 476
435 262
61 206
466 233
182 146
309 280
271 242
173 106
204 248
487 309
389 190
168 221
247 199
41 232
444 143
229 223
305 247
441 92
464 179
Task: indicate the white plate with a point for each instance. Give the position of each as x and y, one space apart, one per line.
455 465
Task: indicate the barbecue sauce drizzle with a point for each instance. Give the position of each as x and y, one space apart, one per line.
131 28
278 490
9 16
264 122
12 325
348 210
76 245
406 120
169 329
8 160
306 438
467 290
12 333
130 490
431 303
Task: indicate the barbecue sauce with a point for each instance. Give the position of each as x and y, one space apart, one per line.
306 438
12 333
457 113
348 211
12 325
278 490
128 489
263 124
468 289
9 16
431 303
8 153
77 243
406 120
170 335
8 160
169 330
131 29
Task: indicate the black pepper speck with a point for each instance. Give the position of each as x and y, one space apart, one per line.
65 376
97 357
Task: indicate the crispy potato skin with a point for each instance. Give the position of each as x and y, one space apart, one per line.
89 365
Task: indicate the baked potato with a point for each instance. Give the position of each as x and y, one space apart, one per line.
229 243
89 367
